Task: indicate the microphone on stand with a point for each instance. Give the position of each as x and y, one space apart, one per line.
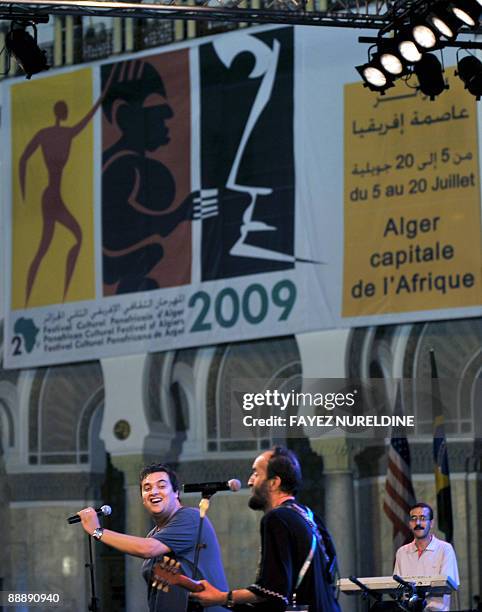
212 487
103 510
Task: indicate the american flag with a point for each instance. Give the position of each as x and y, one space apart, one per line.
399 494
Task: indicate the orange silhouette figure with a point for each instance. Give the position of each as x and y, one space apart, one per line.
55 142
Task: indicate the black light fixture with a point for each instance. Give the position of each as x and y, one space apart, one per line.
469 69
444 20
390 58
467 11
375 77
430 76
425 34
407 46
23 46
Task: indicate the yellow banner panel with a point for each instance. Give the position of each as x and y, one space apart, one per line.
52 190
411 203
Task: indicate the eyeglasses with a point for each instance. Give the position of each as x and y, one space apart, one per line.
422 519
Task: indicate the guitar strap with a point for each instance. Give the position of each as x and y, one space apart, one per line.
307 514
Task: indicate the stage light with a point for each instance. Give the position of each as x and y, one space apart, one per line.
425 36
407 47
469 69
375 78
430 76
409 51
391 63
467 11
444 20
388 55
23 46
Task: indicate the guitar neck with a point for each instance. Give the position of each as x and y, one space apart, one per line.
188 583
168 572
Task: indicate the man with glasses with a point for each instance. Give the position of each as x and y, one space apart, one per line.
427 555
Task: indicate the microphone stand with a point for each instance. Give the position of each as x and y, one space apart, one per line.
94 601
203 508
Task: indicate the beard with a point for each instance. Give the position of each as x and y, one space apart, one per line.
259 497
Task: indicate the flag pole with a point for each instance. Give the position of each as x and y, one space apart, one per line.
440 457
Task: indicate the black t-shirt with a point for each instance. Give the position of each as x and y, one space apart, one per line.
286 539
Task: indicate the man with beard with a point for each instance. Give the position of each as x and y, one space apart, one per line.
427 555
174 534
296 551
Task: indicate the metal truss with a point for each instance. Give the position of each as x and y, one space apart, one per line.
342 13
382 15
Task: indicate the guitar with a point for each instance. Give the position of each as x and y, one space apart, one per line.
167 573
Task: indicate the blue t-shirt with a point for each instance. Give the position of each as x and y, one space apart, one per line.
180 536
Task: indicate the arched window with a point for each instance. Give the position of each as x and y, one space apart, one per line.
457 346
7 436
403 352
8 402
65 413
273 364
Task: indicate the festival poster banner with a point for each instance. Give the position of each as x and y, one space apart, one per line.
194 206
201 199
412 201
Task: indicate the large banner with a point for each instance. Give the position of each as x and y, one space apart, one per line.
412 202
194 195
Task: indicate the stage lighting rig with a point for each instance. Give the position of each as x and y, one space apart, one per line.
23 46
416 28
469 69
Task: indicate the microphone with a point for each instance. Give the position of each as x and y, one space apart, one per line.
212 487
105 510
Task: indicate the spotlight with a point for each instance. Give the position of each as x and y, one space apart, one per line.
445 21
424 34
390 59
391 63
23 46
467 11
407 47
376 79
469 69
409 51
430 78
